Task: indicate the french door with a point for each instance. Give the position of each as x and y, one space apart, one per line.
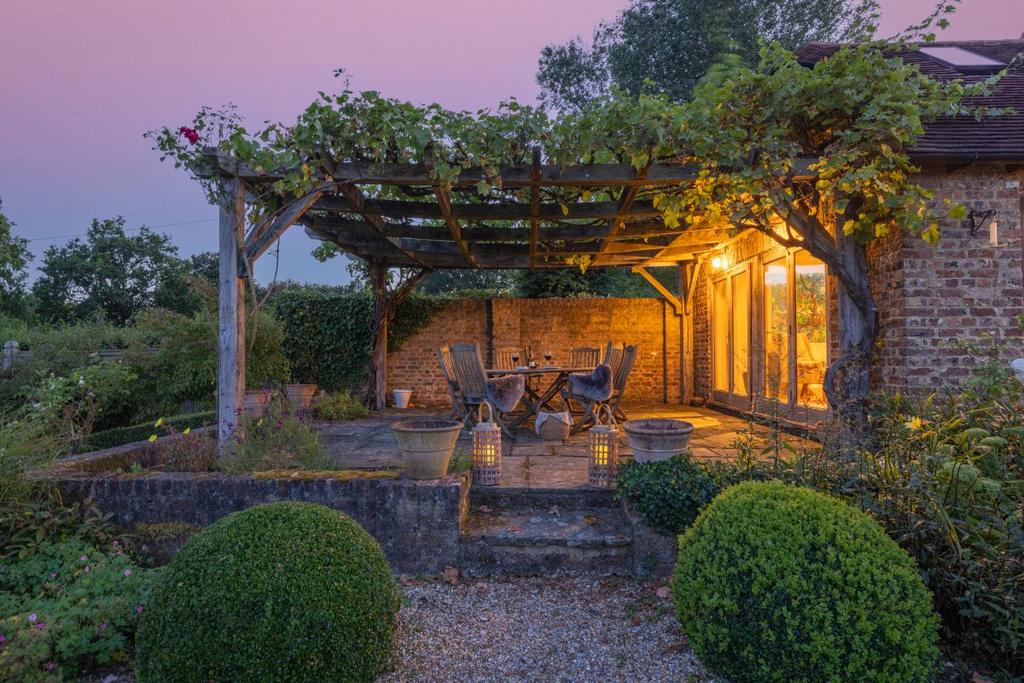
730 337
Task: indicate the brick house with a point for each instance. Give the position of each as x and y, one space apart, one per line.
759 329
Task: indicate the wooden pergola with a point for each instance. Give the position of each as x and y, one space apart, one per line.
423 224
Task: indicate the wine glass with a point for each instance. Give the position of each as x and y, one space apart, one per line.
515 358
547 358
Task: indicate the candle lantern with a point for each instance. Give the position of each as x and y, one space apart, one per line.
486 448
604 448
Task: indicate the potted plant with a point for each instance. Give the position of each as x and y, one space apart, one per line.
300 396
427 446
657 438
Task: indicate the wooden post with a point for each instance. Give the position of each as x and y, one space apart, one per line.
688 273
231 312
379 356
10 354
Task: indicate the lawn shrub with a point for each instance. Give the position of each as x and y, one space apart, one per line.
68 608
281 592
339 406
280 440
667 494
119 436
781 583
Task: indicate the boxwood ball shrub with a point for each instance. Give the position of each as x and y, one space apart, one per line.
781 583
281 592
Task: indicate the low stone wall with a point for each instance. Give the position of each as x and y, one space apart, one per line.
417 523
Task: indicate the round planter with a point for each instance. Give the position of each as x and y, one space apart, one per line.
427 446
401 397
657 438
256 401
300 396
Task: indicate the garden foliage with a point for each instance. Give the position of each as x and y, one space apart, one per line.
282 592
668 494
68 608
781 583
278 440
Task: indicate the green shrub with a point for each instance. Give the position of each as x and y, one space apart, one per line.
327 332
119 436
339 406
67 609
279 440
667 494
781 583
281 592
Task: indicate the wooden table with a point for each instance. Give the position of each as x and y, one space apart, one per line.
537 400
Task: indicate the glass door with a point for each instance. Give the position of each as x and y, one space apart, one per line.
795 321
730 337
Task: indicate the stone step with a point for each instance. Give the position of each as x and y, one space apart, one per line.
526 499
546 543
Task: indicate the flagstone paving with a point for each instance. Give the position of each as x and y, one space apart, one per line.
369 443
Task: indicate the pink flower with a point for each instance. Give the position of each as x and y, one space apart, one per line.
40 626
32 617
50 666
86 570
127 573
83 558
3 639
191 134
103 626
138 609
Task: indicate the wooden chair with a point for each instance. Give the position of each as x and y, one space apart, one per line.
621 380
444 357
584 356
467 365
503 357
613 355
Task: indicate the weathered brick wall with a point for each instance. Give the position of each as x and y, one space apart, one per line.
961 289
547 324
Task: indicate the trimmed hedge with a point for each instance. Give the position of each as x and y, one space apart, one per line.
281 592
782 583
119 436
668 494
328 332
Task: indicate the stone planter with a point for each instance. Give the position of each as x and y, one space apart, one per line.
256 401
427 446
657 438
654 553
300 396
401 398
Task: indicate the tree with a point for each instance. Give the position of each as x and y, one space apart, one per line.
666 46
461 282
611 282
110 273
14 259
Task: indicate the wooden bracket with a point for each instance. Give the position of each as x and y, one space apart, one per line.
669 296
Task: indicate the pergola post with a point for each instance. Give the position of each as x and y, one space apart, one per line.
379 355
231 315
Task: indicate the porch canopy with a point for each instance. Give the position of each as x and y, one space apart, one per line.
532 217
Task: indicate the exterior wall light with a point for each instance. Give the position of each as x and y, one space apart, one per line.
719 262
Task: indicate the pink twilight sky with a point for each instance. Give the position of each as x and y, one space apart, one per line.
80 82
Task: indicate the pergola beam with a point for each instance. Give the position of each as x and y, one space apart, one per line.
355 197
661 289
535 173
616 223
444 202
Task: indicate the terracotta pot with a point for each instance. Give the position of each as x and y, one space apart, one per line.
300 396
427 446
657 438
256 401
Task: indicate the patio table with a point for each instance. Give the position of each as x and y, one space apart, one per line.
537 400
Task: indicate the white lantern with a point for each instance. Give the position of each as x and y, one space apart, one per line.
486 449
604 449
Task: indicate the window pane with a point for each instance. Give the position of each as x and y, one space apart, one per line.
720 332
741 333
776 330
811 330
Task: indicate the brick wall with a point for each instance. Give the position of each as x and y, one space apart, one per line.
961 289
546 324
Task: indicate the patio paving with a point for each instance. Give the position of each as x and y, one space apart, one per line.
368 443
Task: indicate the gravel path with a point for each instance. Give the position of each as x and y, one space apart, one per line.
567 629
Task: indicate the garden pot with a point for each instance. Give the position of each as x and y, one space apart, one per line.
300 396
657 438
401 397
427 446
256 401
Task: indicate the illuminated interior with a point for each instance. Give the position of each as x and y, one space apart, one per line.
776 330
720 334
811 330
